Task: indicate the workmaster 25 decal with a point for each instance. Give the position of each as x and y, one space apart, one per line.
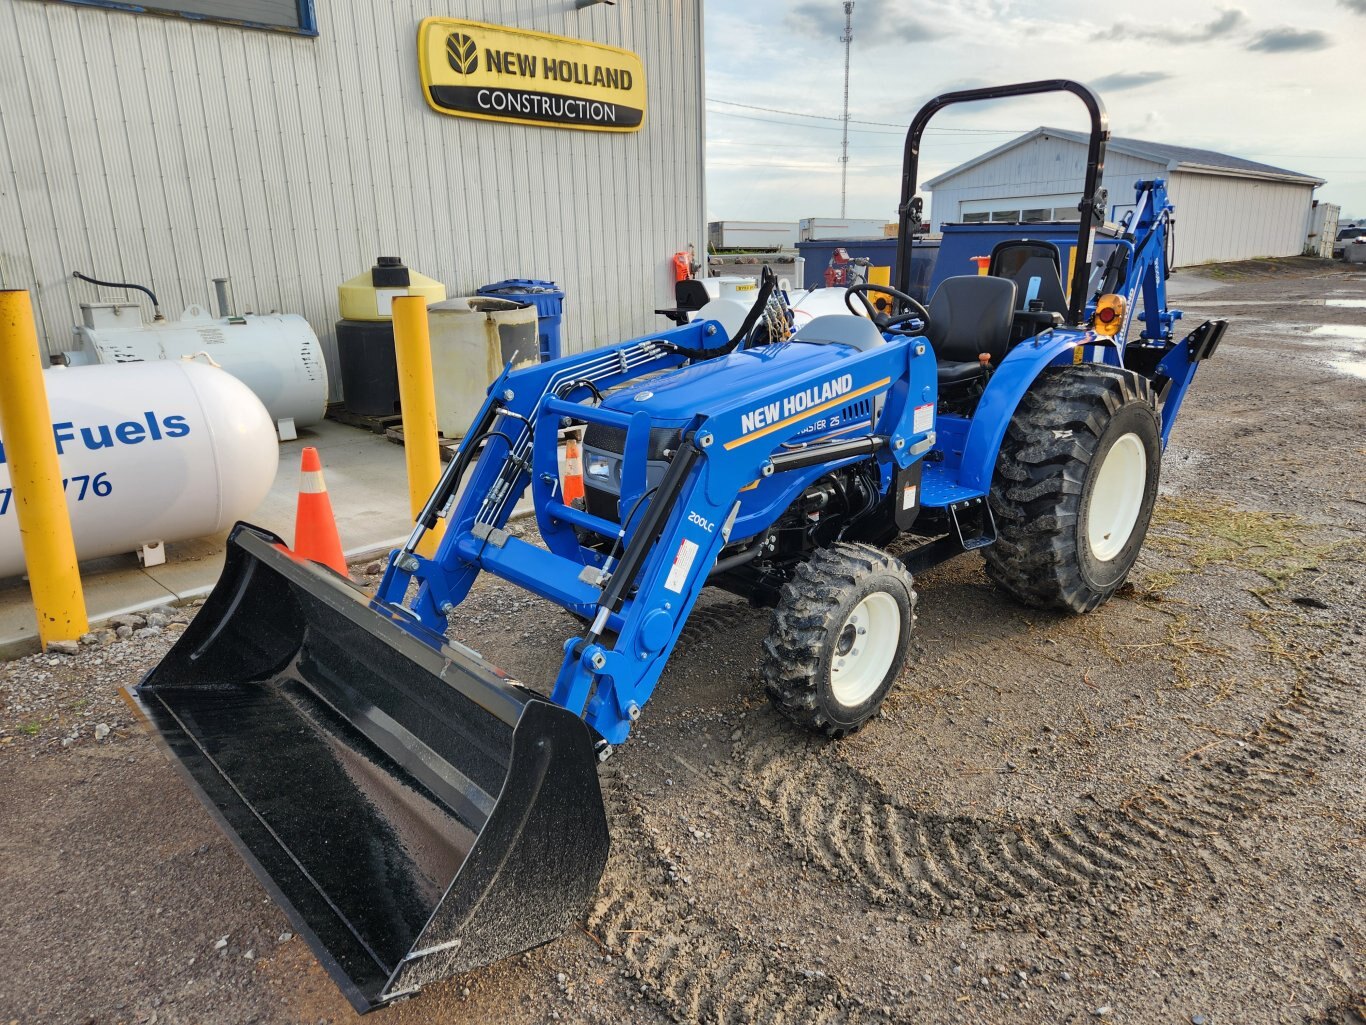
470 69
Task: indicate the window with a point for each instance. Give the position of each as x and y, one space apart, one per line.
1005 215
277 15
1032 216
975 218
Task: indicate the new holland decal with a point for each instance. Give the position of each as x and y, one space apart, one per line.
774 416
470 69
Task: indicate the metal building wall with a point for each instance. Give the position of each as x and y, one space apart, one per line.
1039 167
169 152
1219 217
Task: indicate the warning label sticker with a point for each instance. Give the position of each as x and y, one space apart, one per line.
908 496
678 572
924 419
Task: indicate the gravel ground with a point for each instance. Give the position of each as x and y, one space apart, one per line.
1154 813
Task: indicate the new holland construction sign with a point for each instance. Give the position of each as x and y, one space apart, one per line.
471 69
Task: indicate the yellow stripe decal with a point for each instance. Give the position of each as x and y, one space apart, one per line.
756 435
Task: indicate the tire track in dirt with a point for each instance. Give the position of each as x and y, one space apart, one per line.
933 865
692 964
707 621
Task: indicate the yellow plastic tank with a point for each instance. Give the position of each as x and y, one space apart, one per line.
370 296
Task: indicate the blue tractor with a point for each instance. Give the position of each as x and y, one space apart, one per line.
418 812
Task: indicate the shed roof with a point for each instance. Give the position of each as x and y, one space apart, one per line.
1176 158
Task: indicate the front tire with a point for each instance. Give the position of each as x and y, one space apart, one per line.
1074 488
839 637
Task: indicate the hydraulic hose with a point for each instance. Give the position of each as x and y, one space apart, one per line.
120 284
768 282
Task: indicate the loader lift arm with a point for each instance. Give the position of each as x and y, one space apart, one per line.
637 605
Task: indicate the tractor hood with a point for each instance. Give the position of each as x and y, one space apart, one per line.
679 395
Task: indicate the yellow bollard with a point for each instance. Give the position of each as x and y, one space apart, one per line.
36 477
417 396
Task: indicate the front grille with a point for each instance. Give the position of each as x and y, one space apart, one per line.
601 503
605 438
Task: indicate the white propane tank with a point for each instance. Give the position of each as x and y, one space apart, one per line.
276 355
150 453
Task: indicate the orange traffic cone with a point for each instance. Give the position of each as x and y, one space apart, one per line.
573 472
315 528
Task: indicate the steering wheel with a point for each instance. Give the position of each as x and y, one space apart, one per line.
885 323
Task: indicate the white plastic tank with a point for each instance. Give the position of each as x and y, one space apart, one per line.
151 453
276 355
732 286
473 339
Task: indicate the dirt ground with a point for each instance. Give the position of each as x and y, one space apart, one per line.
1154 813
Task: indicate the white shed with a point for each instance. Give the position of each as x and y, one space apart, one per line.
287 143
1227 208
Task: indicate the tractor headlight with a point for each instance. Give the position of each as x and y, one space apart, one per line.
1109 316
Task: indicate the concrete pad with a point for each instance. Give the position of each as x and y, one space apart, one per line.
366 480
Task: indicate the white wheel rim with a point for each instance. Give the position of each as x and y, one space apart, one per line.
864 649
1117 497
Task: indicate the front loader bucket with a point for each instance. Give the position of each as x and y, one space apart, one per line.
414 811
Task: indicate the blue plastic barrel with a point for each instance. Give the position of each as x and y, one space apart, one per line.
548 300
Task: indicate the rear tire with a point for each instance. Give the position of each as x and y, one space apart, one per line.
1074 488
839 637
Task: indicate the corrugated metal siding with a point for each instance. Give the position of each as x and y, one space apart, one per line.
1040 167
169 152
1219 217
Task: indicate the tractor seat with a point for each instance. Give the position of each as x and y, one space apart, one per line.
969 315
840 329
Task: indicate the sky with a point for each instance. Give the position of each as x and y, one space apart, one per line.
1283 84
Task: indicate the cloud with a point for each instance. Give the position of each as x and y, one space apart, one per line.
876 22
1122 80
1355 6
1229 21
1288 40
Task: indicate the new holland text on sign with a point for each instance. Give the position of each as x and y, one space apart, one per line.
471 69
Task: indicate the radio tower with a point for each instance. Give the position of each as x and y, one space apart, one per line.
846 39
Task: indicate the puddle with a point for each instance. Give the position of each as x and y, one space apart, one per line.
1354 365
1337 337
1354 331
1349 304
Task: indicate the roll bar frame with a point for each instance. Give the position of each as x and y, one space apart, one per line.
1092 206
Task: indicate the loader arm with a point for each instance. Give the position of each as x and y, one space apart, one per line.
638 595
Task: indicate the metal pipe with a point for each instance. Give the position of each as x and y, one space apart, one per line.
740 558
220 290
417 401
828 452
36 477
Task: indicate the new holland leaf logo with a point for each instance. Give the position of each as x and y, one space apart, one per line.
461 52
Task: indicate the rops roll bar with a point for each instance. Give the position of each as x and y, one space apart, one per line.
1092 205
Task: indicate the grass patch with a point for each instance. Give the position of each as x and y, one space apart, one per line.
1272 545
31 729
1192 535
